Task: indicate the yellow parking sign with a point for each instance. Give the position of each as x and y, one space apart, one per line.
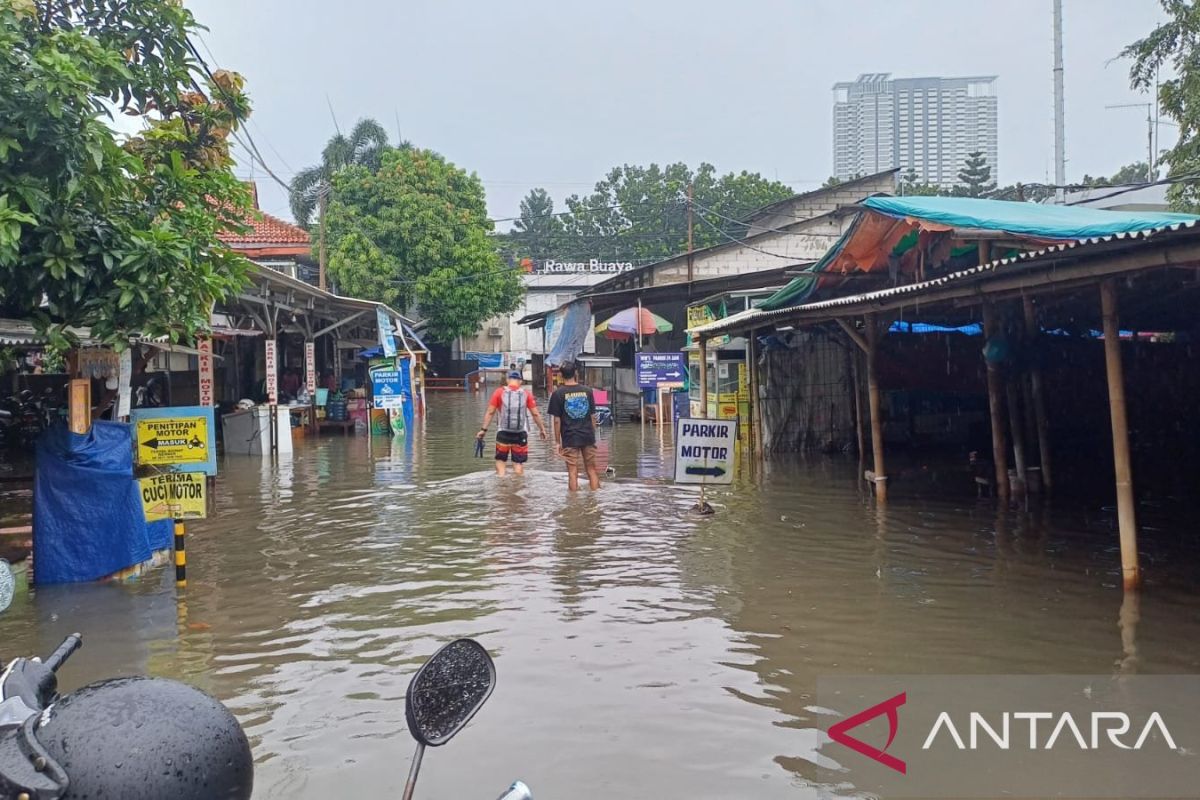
166 441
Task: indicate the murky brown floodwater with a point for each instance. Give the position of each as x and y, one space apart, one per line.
641 652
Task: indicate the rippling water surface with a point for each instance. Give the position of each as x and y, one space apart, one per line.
641 651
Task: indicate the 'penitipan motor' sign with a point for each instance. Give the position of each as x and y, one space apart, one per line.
180 438
705 450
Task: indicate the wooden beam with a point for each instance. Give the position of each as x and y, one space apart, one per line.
879 472
1126 508
336 325
854 335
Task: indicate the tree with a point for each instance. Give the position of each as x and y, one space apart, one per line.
363 147
640 213
911 185
414 235
975 178
1175 46
115 233
538 230
1137 172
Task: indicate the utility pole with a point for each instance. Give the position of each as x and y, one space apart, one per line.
1060 133
691 232
322 205
1151 172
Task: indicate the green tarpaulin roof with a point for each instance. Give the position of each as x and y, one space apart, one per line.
1032 220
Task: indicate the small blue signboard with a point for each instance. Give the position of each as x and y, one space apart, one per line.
386 340
658 368
387 388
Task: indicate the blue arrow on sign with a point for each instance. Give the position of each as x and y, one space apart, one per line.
712 472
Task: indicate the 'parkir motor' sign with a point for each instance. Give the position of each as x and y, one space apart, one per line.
704 450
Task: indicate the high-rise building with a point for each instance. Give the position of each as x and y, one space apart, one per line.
927 125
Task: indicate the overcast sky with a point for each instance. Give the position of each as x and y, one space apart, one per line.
554 92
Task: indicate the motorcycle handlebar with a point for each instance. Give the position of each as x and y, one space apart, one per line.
64 651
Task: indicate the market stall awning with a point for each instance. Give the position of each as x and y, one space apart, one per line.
910 236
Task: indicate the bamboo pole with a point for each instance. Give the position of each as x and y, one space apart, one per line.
878 467
995 384
858 406
1039 399
703 344
1126 510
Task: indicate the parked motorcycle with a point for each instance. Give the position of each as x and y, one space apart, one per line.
24 421
50 748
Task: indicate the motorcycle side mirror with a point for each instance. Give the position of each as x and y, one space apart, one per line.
8 585
448 690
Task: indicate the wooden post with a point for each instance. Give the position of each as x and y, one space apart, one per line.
1039 399
1126 510
638 349
879 476
995 387
703 344
752 366
1018 435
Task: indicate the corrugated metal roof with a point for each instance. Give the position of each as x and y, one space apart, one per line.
754 316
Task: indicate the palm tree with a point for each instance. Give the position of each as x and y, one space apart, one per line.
311 187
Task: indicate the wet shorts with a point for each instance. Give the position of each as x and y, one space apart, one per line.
514 442
581 457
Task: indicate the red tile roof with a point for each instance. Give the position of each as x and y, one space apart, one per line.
267 230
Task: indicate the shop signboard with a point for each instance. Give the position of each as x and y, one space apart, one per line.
174 495
124 381
205 361
654 369
272 367
310 368
705 451
702 315
180 438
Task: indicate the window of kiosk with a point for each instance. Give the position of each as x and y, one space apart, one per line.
726 378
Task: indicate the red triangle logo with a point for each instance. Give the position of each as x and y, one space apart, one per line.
839 733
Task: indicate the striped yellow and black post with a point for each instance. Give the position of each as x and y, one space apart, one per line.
180 555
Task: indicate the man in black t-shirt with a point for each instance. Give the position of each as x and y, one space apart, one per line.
574 410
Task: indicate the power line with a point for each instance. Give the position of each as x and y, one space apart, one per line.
742 242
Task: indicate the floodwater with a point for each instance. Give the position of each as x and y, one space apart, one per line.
641 651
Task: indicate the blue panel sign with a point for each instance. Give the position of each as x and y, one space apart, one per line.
387 388
657 368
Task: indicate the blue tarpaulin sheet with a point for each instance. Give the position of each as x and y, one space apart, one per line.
974 329
87 513
486 360
1029 219
573 323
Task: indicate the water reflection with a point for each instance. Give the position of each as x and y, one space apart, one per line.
641 650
